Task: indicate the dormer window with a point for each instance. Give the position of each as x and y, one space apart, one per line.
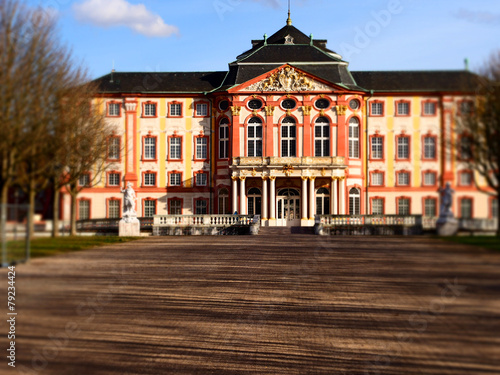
289 39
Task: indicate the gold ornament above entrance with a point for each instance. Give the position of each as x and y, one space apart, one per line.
288 79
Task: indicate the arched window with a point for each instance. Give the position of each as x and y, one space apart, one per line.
354 137
224 201
354 202
323 202
322 137
288 137
224 138
254 137
254 201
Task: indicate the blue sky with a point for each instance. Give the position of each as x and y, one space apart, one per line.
205 35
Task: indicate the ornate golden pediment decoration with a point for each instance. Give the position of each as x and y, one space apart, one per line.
287 170
236 110
254 172
269 110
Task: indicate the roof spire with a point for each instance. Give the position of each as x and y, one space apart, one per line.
289 20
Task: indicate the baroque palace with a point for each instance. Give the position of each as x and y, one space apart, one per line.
287 132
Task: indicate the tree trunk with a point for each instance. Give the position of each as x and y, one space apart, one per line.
31 210
73 215
498 213
3 222
55 209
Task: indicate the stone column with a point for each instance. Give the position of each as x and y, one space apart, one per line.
342 196
272 196
235 193
304 198
312 198
243 196
333 197
264 198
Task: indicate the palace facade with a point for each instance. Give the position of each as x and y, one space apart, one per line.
287 132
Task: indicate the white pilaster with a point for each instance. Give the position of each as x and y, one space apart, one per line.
272 200
333 197
342 196
243 196
304 198
235 193
264 198
312 198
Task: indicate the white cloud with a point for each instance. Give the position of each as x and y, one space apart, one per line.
108 13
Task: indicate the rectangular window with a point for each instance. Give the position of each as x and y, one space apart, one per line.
377 179
429 148
114 179
223 141
377 206
429 179
175 148
175 179
175 207
494 208
403 108
403 206
201 148
465 148
403 178
149 179
377 109
466 208
430 209
377 148
201 179
149 208
465 178
200 207
114 148
254 140
354 138
150 109
84 180
175 110
114 109
113 209
403 147
201 109
150 148
429 108
83 210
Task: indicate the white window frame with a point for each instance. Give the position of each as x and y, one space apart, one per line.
429 179
254 141
430 108
403 109
377 179
114 179
149 208
404 206
354 201
150 148
201 109
150 110
175 207
377 148
377 109
354 124
201 179
429 147
288 141
201 148
175 179
176 148
149 179
404 178
322 140
114 109
377 206
224 139
114 209
175 109
83 209
430 205
403 147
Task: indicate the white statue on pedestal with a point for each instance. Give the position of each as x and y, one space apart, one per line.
129 214
446 225
446 201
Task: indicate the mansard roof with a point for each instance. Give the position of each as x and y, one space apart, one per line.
158 82
415 81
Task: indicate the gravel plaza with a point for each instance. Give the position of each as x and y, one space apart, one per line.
267 304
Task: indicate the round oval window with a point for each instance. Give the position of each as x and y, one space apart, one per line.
223 105
322 103
288 104
255 104
354 104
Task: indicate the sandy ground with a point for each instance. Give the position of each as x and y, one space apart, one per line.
267 304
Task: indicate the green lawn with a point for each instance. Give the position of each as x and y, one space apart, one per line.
41 247
490 242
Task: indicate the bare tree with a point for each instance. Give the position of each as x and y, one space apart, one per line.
50 133
479 128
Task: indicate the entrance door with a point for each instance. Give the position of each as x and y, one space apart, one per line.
288 208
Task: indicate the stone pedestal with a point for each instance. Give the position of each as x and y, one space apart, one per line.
129 229
447 226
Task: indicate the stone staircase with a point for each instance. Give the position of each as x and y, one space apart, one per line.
284 231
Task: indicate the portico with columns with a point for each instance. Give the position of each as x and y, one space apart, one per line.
288 187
